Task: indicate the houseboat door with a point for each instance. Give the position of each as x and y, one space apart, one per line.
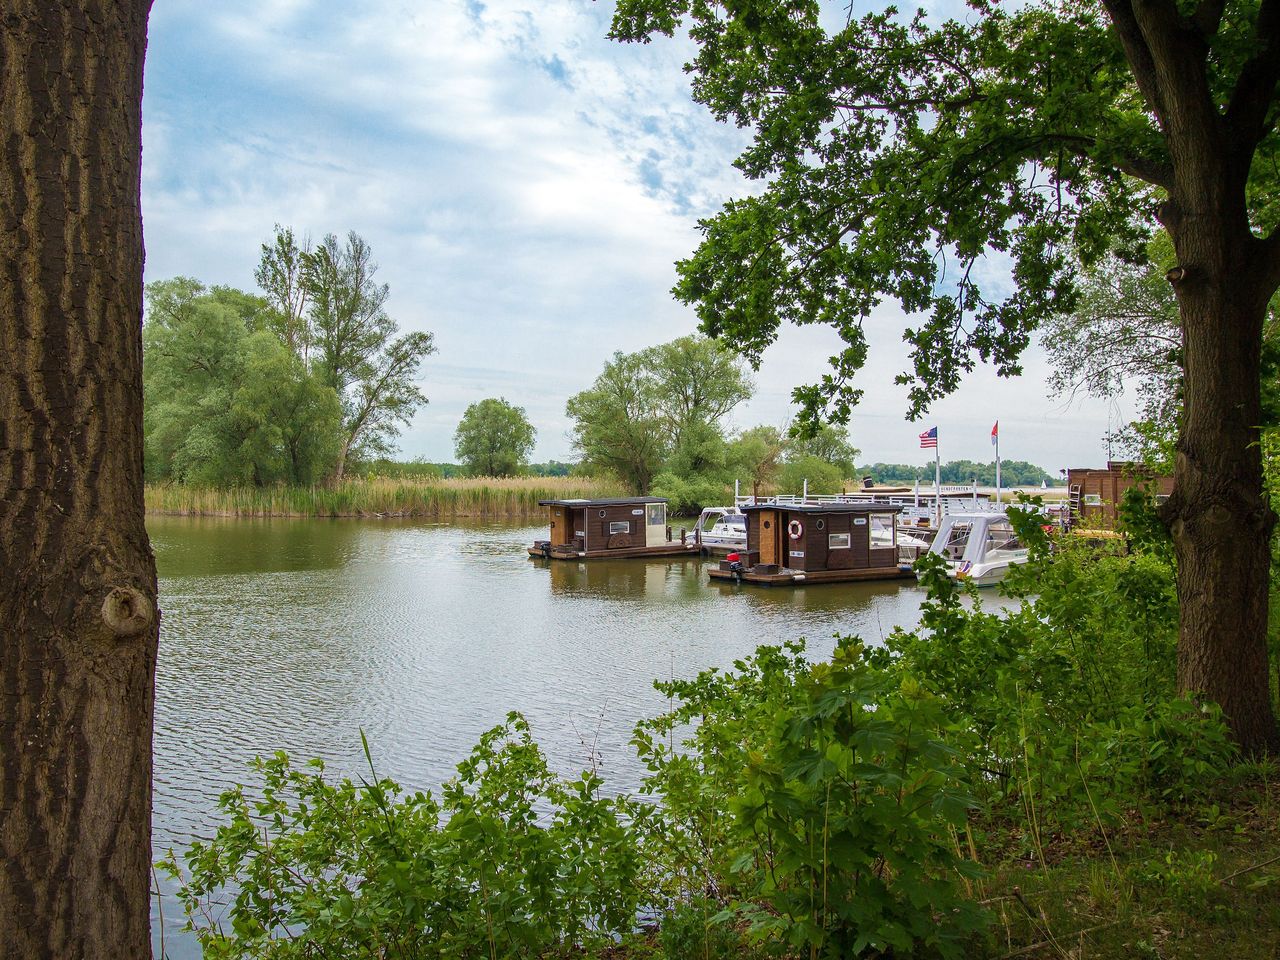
560 526
769 536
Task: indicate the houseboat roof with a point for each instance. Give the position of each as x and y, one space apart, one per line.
613 502
861 507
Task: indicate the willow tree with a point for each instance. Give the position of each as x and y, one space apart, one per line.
77 580
909 160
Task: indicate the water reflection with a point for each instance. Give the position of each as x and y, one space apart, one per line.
296 635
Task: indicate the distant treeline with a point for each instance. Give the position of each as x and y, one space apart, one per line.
1013 473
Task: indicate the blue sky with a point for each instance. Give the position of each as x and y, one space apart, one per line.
526 186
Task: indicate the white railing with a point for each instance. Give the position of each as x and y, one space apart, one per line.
922 504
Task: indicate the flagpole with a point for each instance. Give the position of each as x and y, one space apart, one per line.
996 439
937 480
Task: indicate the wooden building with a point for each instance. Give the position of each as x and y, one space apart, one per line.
817 543
621 527
1094 495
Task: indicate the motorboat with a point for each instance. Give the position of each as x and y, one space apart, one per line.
721 530
978 548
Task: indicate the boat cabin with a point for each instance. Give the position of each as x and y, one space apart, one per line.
620 527
816 542
979 547
1094 496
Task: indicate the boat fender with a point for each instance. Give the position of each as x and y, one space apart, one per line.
796 529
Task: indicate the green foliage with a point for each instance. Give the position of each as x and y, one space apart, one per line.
224 404
1072 696
346 336
686 498
827 443
841 794
694 931
494 438
510 861
1015 131
755 455
659 409
823 477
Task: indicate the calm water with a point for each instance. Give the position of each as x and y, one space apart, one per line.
297 634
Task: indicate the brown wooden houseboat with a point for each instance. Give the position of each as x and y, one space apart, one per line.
790 544
1094 495
621 527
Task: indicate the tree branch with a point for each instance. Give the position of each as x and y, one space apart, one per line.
1139 55
1248 113
1207 18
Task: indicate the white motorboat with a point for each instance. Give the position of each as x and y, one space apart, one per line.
978 547
721 530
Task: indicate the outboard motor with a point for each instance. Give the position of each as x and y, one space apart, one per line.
735 565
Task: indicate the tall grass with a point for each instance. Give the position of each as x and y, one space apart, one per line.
396 497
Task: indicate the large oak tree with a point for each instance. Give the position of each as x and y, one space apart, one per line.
902 159
77 579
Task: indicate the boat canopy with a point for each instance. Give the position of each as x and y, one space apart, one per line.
969 537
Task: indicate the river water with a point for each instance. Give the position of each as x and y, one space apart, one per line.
296 635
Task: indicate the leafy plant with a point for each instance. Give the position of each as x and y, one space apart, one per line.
512 861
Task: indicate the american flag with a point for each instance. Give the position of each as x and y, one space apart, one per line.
929 438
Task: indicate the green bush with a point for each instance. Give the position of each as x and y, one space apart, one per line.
510 862
686 498
844 803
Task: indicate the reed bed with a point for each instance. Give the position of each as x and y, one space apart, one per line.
379 497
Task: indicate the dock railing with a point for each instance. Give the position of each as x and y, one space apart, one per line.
955 498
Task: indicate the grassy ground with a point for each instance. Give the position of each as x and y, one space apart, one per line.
1205 884
479 497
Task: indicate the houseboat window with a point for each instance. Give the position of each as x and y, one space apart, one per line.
821 524
619 526
838 541
1093 499
882 534
657 514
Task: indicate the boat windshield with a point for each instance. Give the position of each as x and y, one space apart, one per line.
1001 538
957 540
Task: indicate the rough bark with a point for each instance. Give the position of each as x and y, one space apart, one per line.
78 591
1218 516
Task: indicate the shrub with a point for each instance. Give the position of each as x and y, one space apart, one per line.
844 799
511 861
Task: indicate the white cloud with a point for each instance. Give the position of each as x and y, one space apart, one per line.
525 184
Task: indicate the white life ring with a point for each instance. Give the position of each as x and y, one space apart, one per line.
796 529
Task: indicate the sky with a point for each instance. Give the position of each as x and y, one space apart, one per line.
526 186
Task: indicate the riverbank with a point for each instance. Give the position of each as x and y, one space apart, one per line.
488 497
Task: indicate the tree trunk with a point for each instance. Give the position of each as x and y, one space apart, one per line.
340 468
1218 515
78 600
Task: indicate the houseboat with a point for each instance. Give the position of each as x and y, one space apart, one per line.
617 528
1094 495
795 543
978 548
